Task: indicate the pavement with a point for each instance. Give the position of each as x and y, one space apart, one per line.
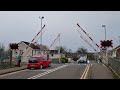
14 69
100 71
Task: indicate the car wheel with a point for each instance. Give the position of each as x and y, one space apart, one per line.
49 65
41 66
28 68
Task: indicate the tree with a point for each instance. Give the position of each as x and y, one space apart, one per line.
62 49
91 56
82 50
2 50
70 50
44 47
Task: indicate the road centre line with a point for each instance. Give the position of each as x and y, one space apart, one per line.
85 72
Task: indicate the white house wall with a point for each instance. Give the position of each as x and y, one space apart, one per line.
37 53
56 56
114 54
22 46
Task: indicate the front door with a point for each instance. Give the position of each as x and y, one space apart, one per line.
45 62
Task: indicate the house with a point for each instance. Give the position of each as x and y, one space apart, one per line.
33 50
54 54
116 52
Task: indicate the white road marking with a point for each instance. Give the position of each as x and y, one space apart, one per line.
39 70
104 65
91 65
45 73
114 71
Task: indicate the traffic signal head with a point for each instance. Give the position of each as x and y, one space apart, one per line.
107 43
13 46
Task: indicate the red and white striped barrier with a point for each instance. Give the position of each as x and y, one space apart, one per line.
88 35
32 41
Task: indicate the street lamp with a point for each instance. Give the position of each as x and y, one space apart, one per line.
119 39
41 31
105 39
105 30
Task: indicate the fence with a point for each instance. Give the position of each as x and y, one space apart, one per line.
114 64
5 60
6 64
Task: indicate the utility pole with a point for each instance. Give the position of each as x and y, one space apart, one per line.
41 34
59 49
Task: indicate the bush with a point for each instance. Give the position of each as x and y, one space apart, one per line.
75 58
90 56
64 60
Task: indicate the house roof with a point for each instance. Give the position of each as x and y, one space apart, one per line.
27 43
116 47
33 46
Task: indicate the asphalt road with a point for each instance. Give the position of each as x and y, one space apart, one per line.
56 71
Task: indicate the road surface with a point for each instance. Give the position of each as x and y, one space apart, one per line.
60 71
56 71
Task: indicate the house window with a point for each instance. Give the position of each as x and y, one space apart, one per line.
21 51
35 52
39 52
52 55
15 52
44 58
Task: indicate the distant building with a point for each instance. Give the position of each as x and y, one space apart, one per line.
71 55
116 52
54 54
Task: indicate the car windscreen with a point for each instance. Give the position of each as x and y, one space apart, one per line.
33 60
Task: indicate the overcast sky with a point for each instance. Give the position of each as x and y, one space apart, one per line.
16 26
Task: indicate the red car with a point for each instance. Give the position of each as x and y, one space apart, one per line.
38 62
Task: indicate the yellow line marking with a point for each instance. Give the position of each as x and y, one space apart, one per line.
85 72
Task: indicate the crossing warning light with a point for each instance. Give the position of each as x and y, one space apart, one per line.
106 43
13 46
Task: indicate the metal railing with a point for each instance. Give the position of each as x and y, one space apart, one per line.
5 61
114 64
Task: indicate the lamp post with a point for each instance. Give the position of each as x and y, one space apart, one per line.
119 39
105 30
41 32
105 39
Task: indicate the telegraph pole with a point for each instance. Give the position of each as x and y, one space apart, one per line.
59 49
